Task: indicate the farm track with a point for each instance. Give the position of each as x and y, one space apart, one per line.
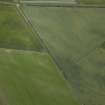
65 5
59 4
17 50
53 4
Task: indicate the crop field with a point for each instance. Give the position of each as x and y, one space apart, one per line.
28 75
75 38
52 52
31 78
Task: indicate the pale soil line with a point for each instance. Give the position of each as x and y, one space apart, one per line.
49 2
6 50
60 4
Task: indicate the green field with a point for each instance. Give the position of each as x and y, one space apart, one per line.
76 40
31 78
14 32
28 76
73 37
92 1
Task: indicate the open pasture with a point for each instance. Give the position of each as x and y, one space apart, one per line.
75 38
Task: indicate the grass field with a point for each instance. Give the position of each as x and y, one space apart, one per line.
76 39
92 1
28 76
14 32
31 78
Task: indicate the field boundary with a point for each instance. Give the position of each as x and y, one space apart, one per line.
72 4
60 4
65 5
27 51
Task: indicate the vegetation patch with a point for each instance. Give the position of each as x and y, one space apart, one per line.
73 37
31 78
14 32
